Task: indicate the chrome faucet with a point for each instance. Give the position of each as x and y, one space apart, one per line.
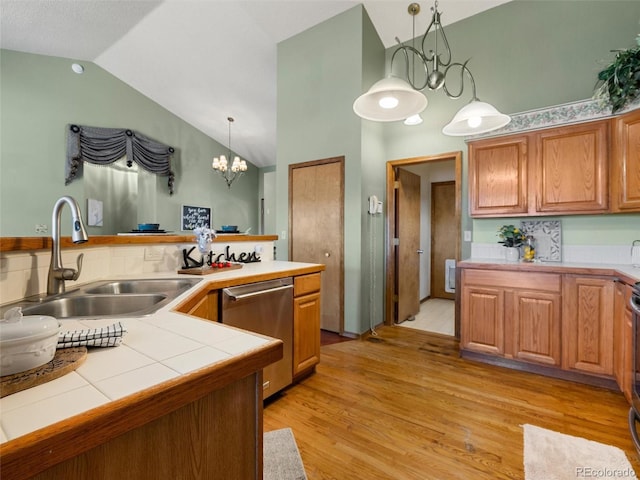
57 273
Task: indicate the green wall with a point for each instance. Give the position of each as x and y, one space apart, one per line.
40 95
525 54
319 74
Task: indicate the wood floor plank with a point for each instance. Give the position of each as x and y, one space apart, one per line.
404 405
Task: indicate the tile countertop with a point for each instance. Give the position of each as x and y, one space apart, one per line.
155 349
628 273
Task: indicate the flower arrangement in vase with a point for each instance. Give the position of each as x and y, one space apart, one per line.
512 238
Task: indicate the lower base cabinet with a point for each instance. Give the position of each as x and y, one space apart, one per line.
306 323
513 315
587 324
578 326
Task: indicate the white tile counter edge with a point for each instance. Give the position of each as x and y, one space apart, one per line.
155 348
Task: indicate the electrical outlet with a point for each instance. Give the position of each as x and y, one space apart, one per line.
283 236
41 228
467 235
153 254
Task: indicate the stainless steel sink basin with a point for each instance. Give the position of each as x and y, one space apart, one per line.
96 306
160 285
108 298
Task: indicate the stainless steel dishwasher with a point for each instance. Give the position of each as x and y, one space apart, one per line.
265 308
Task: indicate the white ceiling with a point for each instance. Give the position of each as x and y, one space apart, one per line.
203 60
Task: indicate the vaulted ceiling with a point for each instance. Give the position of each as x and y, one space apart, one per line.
203 60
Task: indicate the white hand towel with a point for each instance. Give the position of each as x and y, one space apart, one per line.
110 336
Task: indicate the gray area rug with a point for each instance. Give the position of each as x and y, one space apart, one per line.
550 455
281 456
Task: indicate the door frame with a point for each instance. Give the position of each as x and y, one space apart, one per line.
390 224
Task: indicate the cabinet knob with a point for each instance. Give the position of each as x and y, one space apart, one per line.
327 254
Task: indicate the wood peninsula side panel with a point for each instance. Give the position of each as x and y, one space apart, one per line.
218 437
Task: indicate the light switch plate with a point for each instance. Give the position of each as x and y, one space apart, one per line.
94 212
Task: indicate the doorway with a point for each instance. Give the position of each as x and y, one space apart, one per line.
316 230
394 265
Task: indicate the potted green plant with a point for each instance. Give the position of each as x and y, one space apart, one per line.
512 238
619 83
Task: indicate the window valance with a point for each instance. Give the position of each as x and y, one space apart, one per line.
103 146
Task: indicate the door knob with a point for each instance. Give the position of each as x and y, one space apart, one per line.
420 251
327 254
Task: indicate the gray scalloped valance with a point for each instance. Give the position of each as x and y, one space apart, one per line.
103 146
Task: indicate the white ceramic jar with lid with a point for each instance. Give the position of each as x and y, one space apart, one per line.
26 342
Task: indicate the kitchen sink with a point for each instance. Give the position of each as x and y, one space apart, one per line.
96 306
107 298
160 285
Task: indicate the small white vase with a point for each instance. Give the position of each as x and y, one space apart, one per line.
512 254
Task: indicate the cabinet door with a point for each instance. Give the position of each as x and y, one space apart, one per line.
482 319
498 177
587 324
571 169
536 327
306 332
623 340
625 171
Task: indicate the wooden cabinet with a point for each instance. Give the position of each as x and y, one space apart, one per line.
549 172
587 324
570 169
306 323
625 178
511 314
570 325
623 339
536 327
498 173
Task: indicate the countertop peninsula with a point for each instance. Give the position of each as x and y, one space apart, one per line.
167 361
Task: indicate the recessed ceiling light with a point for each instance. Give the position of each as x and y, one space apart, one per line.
76 67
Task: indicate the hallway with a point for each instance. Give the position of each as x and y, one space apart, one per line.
437 315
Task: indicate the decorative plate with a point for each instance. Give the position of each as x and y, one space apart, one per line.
547 235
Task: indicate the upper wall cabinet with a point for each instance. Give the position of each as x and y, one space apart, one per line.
556 171
571 169
498 176
625 163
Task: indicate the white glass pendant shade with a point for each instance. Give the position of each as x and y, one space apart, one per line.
389 100
413 120
474 118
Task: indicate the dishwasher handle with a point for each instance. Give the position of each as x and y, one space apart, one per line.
234 297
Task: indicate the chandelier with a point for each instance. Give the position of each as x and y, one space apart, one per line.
221 164
394 98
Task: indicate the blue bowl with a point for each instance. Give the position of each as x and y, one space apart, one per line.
229 228
148 226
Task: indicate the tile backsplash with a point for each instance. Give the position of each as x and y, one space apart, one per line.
24 273
600 254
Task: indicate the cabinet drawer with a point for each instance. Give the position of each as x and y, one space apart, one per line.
546 282
304 284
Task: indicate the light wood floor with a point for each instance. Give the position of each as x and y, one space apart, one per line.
436 315
404 405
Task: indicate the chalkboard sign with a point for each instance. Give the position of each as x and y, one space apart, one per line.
194 217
